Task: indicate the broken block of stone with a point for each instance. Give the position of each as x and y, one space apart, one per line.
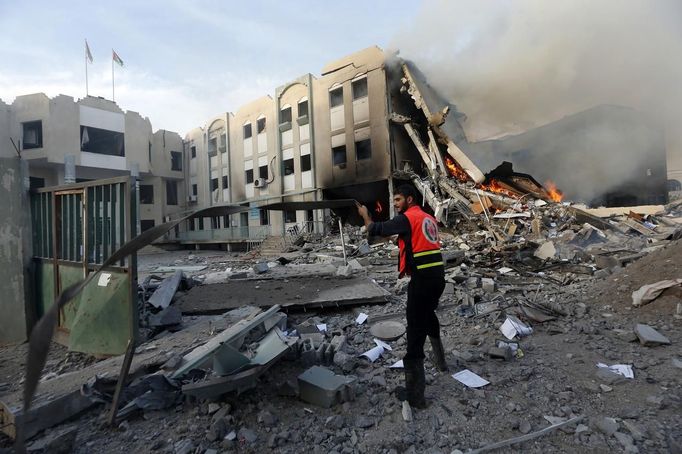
504 353
167 317
545 251
355 265
488 284
344 271
58 442
607 426
261 267
649 336
611 378
322 387
364 248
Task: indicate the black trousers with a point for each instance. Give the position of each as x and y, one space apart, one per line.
423 293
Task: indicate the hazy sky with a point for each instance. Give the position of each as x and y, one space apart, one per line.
184 60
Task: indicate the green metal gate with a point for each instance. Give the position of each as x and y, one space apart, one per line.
76 227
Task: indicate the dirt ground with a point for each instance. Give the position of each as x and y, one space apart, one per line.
557 377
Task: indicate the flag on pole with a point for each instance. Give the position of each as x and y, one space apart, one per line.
116 58
88 54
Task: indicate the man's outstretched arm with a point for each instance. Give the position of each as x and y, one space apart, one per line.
399 225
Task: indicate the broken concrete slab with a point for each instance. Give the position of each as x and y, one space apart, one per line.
61 441
320 386
649 336
261 267
169 316
163 295
545 251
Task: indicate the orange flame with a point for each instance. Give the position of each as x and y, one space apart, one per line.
492 185
455 170
554 193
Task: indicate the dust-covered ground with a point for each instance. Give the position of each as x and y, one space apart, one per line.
557 377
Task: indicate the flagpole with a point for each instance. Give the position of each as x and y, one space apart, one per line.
86 69
113 98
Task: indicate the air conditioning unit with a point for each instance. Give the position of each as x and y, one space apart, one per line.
260 183
192 198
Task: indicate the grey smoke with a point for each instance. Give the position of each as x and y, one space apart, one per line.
514 65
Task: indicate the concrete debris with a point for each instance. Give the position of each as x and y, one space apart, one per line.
320 386
388 330
649 336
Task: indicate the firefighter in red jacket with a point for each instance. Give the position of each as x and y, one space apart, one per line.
421 259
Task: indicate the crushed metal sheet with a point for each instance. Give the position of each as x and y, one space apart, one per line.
163 295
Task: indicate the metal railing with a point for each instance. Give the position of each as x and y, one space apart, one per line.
250 233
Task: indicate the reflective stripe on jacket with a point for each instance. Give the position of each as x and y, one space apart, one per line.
423 249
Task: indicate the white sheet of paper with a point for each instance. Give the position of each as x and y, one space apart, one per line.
322 327
374 353
383 344
621 369
508 329
470 379
397 365
504 270
361 318
104 279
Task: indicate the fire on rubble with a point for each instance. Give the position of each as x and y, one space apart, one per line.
496 186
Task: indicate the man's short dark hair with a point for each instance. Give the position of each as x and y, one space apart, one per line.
406 190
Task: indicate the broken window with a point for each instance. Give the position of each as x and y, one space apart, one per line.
674 186
215 222
146 224
146 194
305 163
201 223
359 88
249 176
36 182
193 152
171 193
194 190
363 150
288 166
260 125
264 220
176 160
303 109
224 181
263 172
336 97
285 115
32 134
102 141
339 155
150 152
213 146
190 225
223 143
214 184
289 216
247 130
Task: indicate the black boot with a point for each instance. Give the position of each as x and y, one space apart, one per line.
415 383
438 354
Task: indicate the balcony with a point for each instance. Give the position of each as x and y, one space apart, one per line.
231 234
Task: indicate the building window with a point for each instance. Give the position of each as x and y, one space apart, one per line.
102 141
223 143
214 184
146 224
359 88
264 217
193 152
260 125
285 115
171 193
288 166
249 176
339 155
146 194
213 146
305 163
190 224
263 172
289 216
674 186
201 223
32 134
303 109
215 222
224 181
150 152
35 182
363 150
247 130
336 97
194 190
176 160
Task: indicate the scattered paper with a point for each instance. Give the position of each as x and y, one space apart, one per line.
470 379
504 270
383 344
621 369
361 318
374 353
322 327
104 279
512 327
397 365
525 214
